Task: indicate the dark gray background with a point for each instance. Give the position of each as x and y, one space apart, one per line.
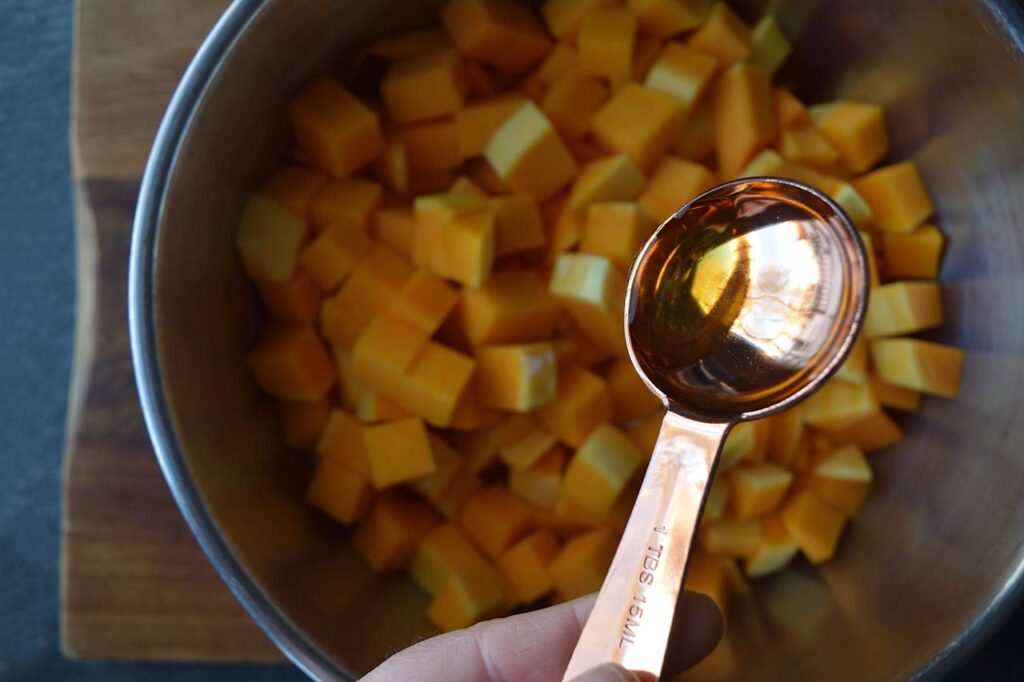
36 328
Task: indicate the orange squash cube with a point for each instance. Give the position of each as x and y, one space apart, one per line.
839 404
605 43
729 537
744 115
269 238
769 46
447 466
349 202
563 17
398 451
903 308
571 102
523 453
501 33
516 377
512 306
673 183
857 131
525 563
297 300
808 146
290 363
574 346
758 489
855 368
923 366
774 550
640 122
897 197
599 471
646 50
392 166
541 482
383 353
846 497
696 138
341 441
434 213
580 405
615 178
463 185
425 87
301 423
561 59
896 397
915 254
477 122
434 383
813 524
432 146
481 83
518 225
645 432
706 574
424 301
790 112
388 537
747 441
786 433
339 492
580 566
723 35
494 518
873 432
630 397
465 485
681 72
472 415
468 242
593 291
467 597
669 17
717 500
335 128
333 254
444 552
294 187
372 407
528 154
615 231
846 463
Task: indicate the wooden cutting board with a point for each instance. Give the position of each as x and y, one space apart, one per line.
134 583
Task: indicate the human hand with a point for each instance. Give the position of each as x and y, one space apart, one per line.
537 646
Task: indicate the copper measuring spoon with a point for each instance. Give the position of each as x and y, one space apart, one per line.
740 305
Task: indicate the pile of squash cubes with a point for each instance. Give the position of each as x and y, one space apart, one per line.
443 265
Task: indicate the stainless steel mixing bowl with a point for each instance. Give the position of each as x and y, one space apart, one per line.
929 569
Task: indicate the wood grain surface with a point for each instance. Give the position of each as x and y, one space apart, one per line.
134 583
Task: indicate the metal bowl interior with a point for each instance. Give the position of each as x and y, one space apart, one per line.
925 572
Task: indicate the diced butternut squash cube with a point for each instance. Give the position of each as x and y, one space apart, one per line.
758 489
896 397
723 35
873 432
301 423
339 492
903 308
384 351
447 465
851 201
388 537
512 306
923 366
563 17
605 43
897 197
269 239
646 50
540 483
465 485
615 178
616 230
481 83
494 519
673 183
398 451
857 131
424 301
696 139
432 145
787 430
580 566
580 405
501 33
640 122
523 453
790 112
560 60
774 551
410 45
525 563
424 87
333 254
480 171
372 407
294 187
839 404
516 377
341 441
297 300
915 254
645 432
706 574
335 128
681 72
813 524
469 247
477 122
600 469
845 496
748 441
392 166
463 185
528 154
768 44
466 598
575 346
631 399
593 291
444 552
349 202
855 368
471 414
807 145
717 500
730 537
571 102
669 17
291 363
744 115
846 463
434 213
518 225
434 383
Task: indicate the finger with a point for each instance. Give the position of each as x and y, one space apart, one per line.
697 629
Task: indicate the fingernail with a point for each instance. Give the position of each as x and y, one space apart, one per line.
607 672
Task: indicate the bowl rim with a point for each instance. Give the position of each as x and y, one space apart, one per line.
286 634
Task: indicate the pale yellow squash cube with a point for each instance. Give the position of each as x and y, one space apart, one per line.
673 183
857 131
593 291
269 239
839 404
528 154
923 366
769 45
903 308
477 122
516 377
758 489
681 72
614 178
855 368
444 552
467 597
640 122
645 431
897 197
540 484
717 500
599 471
581 403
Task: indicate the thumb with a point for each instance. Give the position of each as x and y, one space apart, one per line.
608 672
